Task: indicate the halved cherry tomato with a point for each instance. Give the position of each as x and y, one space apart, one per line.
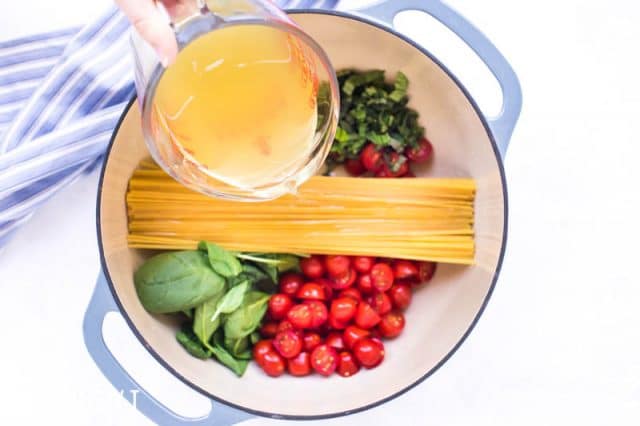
381 277
290 283
371 158
260 349
396 166
337 325
311 291
279 305
403 269
312 267
328 287
346 280
400 295
420 153
347 364
273 363
391 325
311 341
284 326
352 334
300 316
343 309
324 360
365 284
369 352
334 339
269 329
366 316
354 167
351 292
319 312
380 302
363 264
426 270
337 265
300 365
288 343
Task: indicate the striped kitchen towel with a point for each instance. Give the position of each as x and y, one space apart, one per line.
61 95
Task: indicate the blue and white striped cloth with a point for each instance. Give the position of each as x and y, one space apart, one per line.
61 95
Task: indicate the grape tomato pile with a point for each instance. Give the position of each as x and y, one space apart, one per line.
334 315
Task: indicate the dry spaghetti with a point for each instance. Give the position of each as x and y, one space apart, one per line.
420 219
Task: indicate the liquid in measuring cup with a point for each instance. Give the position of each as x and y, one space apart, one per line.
241 104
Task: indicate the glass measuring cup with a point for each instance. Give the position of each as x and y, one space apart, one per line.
260 144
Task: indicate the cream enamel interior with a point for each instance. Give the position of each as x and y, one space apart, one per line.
442 311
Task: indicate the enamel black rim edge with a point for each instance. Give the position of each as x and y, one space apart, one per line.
381 401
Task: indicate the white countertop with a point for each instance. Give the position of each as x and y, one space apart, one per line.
560 340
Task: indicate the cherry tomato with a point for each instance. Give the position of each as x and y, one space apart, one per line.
324 360
380 302
381 277
343 309
290 283
403 269
334 339
396 166
311 341
366 316
391 325
284 326
351 292
365 284
346 280
337 265
426 271
260 349
328 287
312 291
269 329
312 267
337 325
400 295
319 312
354 167
300 316
300 365
420 153
369 352
371 158
279 305
288 343
272 363
363 264
347 364
352 334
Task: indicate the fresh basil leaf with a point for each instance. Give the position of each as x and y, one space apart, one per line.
191 344
204 324
176 281
238 366
246 319
230 301
222 261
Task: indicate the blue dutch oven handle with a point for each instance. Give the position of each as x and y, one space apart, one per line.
101 303
501 126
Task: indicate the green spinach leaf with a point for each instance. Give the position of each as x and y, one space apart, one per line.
222 261
237 347
238 366
204 324
176 281
244 320
190 342
230 301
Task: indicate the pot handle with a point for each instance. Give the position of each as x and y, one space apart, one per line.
501 126
101 303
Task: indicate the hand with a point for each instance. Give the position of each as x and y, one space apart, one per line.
152 26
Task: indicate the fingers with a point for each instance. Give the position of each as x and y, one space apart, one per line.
152 26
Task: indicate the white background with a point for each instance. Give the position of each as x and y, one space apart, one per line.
560 340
